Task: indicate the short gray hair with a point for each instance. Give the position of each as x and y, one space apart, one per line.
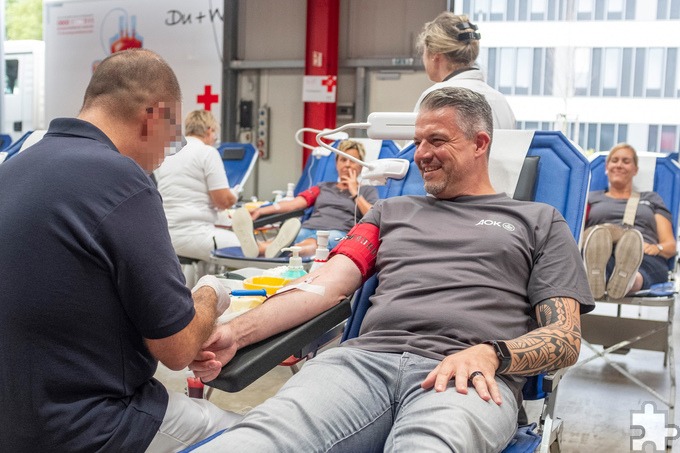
474 112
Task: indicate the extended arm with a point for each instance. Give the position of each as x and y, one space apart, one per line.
338 278
281 207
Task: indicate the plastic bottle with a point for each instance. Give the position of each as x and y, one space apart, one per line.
322 251
278 195
295 269
290 191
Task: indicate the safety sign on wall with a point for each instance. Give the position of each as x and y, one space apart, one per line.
319 88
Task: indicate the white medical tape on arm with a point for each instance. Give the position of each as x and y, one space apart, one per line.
306 286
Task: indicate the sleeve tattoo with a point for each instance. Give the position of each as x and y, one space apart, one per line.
555 344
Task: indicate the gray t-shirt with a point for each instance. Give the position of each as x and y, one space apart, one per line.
604 209
335 210
455 273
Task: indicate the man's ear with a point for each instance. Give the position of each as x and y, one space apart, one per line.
483 141
143 122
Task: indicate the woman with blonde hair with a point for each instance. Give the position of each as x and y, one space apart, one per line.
450 46
194 187
338 205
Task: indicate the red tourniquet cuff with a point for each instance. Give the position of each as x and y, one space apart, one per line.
310 195
361 246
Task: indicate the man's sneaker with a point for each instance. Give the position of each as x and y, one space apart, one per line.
596 253
627 259
242 226
286 235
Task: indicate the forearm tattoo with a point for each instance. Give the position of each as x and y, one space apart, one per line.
555 344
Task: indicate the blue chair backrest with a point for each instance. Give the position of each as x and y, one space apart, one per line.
239 160
5 141
15 147
322 168
563 175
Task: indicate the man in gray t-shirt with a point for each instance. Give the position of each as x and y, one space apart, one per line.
475 291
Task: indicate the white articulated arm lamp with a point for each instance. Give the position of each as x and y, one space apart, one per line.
380 126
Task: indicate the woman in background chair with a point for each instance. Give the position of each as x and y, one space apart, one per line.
194 187
644 240
337 207
450 46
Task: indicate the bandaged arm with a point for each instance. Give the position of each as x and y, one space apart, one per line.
339 277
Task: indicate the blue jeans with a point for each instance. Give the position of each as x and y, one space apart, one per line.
350 400
333 238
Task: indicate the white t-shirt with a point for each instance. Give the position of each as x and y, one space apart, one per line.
473 79
184 181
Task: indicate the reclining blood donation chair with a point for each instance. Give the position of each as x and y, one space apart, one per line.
239 161
552 171
5 141
318 168
23 142
620 325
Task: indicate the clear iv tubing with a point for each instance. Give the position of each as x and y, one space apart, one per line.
305 145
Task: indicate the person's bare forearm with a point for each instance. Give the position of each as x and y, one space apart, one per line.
553 346
283 206
178 350
205 304
339 278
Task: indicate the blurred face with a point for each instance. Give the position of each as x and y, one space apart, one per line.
345 166
445 157
428 62
161 129
621 166
211 137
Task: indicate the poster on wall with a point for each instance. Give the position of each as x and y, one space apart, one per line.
79 34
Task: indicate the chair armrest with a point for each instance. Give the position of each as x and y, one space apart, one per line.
255 360
552 379
276 218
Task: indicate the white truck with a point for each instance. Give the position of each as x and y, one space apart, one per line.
24 94
80 33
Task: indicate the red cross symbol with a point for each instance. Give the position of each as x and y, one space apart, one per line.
207 98
330 82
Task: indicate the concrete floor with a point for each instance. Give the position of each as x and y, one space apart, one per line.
596 403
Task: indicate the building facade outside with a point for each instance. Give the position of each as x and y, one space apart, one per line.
602 71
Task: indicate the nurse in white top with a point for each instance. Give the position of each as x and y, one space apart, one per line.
194 187
450 46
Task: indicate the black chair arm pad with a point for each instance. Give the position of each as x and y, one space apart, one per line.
255 360
276 218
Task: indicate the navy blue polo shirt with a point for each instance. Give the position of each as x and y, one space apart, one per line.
87 272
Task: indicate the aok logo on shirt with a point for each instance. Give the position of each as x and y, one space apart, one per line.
504 225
